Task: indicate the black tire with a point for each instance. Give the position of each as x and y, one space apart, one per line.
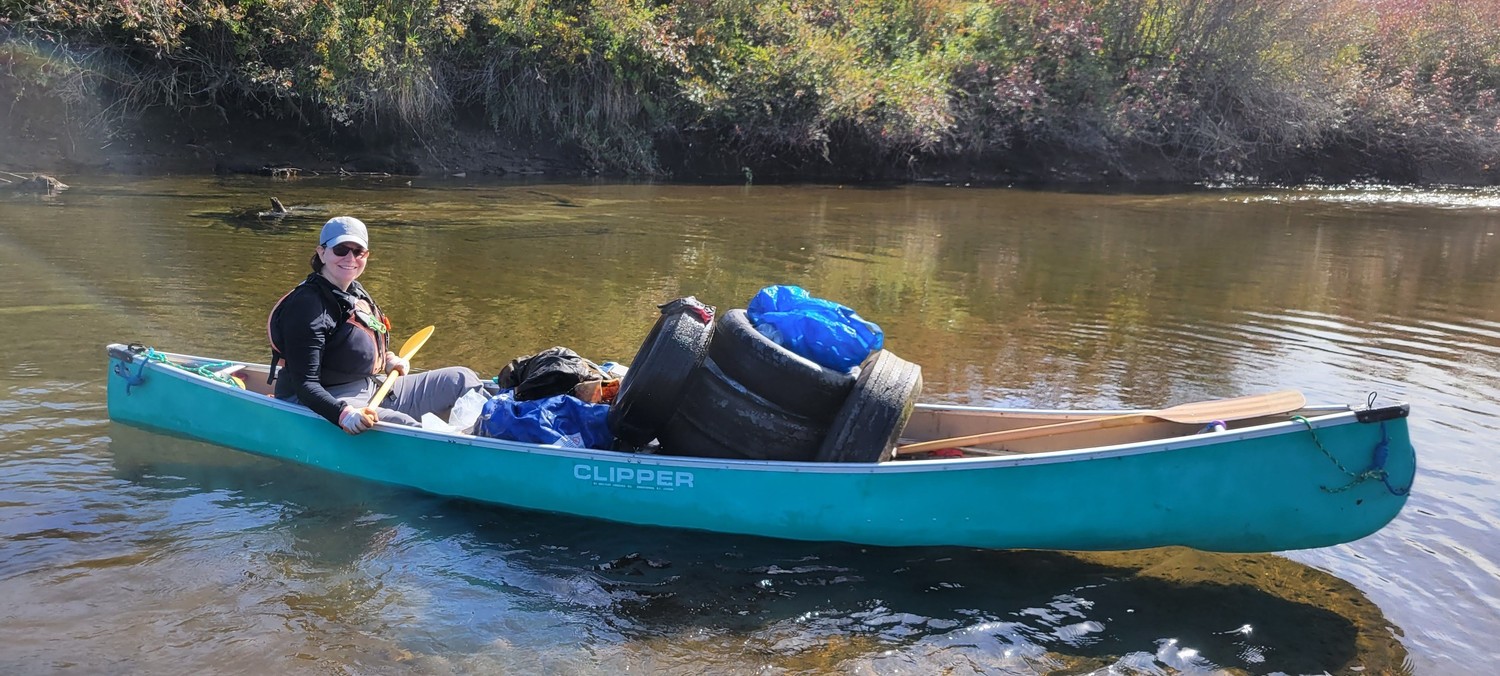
869 425
683 436
721 418
659 374
781 376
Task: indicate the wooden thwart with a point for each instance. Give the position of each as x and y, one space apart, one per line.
1197 413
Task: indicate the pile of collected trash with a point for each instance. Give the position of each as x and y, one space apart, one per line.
553 397
789 377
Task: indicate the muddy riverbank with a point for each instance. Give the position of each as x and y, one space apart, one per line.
201 142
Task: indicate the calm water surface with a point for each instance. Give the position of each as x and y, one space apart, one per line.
123 551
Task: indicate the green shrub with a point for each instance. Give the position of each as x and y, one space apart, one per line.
1188 88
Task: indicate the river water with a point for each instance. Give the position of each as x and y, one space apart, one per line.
123 551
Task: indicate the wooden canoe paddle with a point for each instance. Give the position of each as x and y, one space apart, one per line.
408 350
1197 413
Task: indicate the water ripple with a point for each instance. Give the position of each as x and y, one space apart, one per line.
123 551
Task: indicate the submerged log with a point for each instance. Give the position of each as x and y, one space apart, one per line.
36 184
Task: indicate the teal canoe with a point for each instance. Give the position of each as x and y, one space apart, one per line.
1313 477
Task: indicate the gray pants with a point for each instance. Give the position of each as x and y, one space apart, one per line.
413 395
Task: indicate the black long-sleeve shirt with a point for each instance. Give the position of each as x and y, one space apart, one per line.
325 346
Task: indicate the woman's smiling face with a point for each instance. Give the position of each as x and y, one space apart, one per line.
343 263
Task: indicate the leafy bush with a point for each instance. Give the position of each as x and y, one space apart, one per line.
1147 88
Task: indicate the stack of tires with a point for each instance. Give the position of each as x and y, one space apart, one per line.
714 386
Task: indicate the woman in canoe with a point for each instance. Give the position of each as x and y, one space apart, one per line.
330 341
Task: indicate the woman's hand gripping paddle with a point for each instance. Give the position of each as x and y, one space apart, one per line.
408 349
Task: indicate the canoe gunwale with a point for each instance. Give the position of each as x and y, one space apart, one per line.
1334 415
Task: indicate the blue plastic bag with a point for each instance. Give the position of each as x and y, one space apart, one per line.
826 332
561 420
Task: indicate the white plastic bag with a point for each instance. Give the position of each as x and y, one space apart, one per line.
432 423
466 410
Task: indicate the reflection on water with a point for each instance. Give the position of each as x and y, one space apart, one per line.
1391 196
438 583
122 551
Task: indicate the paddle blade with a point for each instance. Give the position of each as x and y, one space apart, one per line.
414 343
1236 408
408 350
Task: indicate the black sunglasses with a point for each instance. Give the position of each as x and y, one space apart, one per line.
342 250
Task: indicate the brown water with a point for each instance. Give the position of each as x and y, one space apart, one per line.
123 551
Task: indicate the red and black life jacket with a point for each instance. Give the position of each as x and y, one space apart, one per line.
373 324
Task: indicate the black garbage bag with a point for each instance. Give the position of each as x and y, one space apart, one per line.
548 373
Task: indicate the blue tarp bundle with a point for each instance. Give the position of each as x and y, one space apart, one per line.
561 420
826 332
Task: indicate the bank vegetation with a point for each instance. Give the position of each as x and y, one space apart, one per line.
1115 90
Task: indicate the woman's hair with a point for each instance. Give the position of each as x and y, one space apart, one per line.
316 262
